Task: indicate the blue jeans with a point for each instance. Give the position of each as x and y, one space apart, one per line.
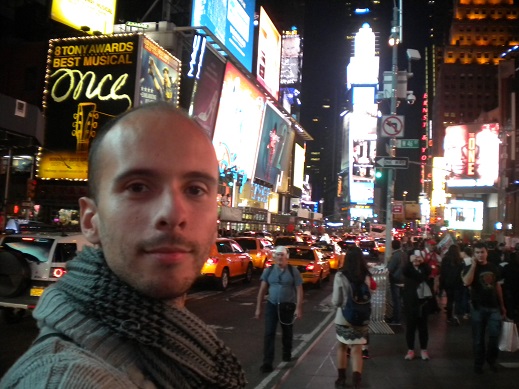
397 303
271 323
485 321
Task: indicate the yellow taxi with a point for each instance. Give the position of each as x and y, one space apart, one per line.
381 245
260 249
227 261
332 252
311 263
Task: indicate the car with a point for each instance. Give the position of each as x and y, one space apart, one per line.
345 245
227 262
286 240
381 245
260 249
311 263
369 249
29 263
332 252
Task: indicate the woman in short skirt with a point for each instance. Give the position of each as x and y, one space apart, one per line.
353 337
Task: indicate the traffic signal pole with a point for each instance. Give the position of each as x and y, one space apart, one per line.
395 37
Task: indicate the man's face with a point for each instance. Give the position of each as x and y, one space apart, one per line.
156 211
480 253
281 257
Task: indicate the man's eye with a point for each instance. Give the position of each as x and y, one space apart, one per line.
137 188
195 190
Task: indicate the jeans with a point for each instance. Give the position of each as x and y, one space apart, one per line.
397 303
417 322
271 323
485 320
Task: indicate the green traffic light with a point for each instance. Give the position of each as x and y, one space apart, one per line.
378 174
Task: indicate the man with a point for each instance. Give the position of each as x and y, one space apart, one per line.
284 304
487 307
395 268
117 318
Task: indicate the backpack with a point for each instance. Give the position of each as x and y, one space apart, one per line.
357 310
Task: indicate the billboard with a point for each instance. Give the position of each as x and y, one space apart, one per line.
274 147
89 81
464 215
269 54
299 166
238 122
290 58
232 22
471 155
97 15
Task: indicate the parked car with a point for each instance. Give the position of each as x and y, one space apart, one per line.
332 252
311 263
227 261
29 263
369 250
260 249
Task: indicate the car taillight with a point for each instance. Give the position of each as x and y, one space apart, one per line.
310 267
59 272
268 263
212 261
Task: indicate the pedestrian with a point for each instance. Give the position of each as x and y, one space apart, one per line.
354 272
466 254
417 295
284 285
432 258
511 285
487 307
117 318
450 280
395 269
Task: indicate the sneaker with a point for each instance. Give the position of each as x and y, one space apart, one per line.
266 368
409 356
365 354
425 355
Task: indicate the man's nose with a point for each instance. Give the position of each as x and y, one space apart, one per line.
171 211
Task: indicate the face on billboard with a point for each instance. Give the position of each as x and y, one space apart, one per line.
471 154
362 172
238 122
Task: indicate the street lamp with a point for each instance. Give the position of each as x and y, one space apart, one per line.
405 195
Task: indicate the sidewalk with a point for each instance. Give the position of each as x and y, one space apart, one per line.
450 366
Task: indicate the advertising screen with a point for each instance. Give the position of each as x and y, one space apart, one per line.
471 154
232 22
97 15
160 74
290 59
269 54
89 81
362 172
207 91
299 166
464 215
273 146
238 122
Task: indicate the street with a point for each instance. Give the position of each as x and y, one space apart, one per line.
229 313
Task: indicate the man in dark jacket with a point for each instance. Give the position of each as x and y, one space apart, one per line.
395 268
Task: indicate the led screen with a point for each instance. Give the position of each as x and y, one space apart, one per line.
97 15
273 147
232 22
299 166
290 59
471 155
464 215
362 172
238 122
269 54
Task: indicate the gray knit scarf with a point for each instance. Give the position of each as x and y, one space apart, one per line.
177 349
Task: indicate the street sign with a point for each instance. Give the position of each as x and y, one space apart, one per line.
392 126
392 162
407 143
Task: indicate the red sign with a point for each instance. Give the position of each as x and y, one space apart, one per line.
397 208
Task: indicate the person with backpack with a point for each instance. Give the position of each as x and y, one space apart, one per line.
352 297
417 295
284 285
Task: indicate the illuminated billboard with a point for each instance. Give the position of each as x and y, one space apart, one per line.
97 15
471 154
238 122
89 81
232 22
274 146
290 58
299 166
269 54
464 215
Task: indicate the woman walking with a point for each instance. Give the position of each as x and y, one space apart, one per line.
417 296
450 281
353 274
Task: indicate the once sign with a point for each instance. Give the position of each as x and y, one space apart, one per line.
392 162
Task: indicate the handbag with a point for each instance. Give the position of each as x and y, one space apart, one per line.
423 291
508 339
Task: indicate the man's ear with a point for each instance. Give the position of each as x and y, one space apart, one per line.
88 219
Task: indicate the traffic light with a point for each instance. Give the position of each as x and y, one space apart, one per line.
31 188
378 174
